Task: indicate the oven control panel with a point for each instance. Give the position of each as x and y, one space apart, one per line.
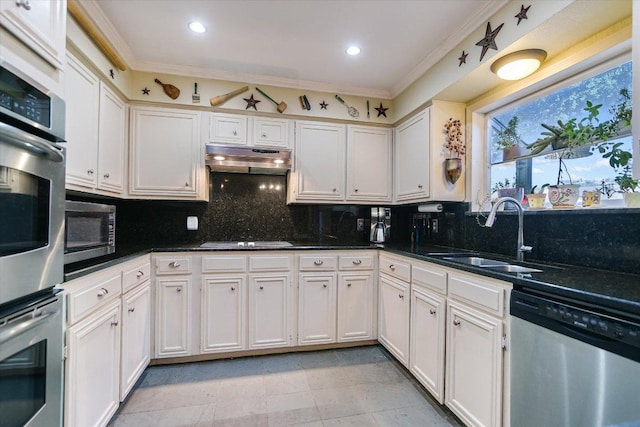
17 97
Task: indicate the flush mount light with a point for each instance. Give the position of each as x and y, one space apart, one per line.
278 161
197 27
518 65
353 50
219 158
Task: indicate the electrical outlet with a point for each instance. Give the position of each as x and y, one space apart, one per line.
434 225
192 223
360 224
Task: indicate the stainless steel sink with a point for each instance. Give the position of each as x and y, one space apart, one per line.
476 261
246 245
510 268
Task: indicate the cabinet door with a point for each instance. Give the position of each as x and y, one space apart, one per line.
41 25
82 92
112 141
393 317
320 151
412 158
316 309
270 132
228 129
474 366
223 313
136 336
173 322
165 152
93 369
427 340
369 154
355 307
269 311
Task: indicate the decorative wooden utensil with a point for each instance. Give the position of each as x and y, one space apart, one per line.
171 91
281 106
221 99
351 110
195 97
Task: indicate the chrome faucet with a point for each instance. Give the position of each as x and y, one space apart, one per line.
522 248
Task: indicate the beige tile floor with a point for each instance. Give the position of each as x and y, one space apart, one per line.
361 386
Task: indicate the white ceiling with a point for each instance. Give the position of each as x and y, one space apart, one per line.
292 43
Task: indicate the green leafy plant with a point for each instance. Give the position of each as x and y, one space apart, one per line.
508 136
503 184
626 182
534 189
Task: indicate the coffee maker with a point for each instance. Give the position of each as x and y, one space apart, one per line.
380 225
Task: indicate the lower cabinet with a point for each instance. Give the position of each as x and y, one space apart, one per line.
173 316
393 317
355 306
136 336
223 313
270 318
317 301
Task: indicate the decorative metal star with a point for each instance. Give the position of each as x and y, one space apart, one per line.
323 105
251 102
489 40
523 13
382 111
112 74
146 91
463 58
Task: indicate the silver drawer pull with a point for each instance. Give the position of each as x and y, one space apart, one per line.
456 322
140 274
432 311
318 262
102 292
90 172
106 176
174 264
392 267
357 261
132 309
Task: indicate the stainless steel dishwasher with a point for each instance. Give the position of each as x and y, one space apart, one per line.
572 363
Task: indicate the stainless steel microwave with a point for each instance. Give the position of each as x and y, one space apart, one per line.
90 231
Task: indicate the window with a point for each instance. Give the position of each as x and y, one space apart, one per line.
521 123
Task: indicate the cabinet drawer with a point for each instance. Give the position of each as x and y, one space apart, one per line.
356 262
224 264
98 291
396 268
173 265
318 262
270 263
135 276
429 276
477 292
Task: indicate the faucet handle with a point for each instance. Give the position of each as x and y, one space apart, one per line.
526 249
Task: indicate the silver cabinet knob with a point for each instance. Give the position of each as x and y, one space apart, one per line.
140 274
400 296
419 186
24 3
392 267
106 176
264 135
102 292
357 261
348 285
90 172
456 322
174 264
432 311
114 323
261 287
233 289
324 286
235 133
131 310
318 262
186 184
355 190
179 290
334 190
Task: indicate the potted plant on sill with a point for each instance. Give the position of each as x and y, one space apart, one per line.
629 187
508 188
455 147
536 198
509 141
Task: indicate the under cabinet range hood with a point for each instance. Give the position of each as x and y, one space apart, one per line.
224 158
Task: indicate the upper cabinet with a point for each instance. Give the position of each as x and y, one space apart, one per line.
420 156
95 132
166 156
41 25
369 154
235 129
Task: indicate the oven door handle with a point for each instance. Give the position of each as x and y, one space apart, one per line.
10 332
30 142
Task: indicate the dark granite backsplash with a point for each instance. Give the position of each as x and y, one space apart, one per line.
597 239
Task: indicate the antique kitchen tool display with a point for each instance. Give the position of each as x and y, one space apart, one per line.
280 106
221 99
351 110
171 91
195 97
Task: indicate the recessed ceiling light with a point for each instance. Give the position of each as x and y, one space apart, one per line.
353 50
197 27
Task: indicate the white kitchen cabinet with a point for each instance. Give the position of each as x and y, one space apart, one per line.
41 25
173 316
474 365
136 336
317 308
82 98
355 306
270 306
166 156
112 141
420 154
393 317
93 368
268 132
228 129
319 172
224 312
369 164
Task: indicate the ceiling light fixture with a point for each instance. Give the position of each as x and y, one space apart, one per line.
197 27
353 50
219 158
518 65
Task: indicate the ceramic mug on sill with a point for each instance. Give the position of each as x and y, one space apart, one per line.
590 198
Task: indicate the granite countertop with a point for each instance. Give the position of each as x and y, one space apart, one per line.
616 291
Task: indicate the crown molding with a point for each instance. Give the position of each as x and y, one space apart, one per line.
488 9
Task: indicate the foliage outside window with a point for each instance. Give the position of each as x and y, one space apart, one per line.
587 106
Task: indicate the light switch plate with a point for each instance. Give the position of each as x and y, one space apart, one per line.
192 223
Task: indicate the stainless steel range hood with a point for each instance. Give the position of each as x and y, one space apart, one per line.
224 158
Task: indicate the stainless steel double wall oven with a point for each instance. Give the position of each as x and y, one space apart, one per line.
32 196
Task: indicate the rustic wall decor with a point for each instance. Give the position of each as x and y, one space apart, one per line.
251 102
146 91
463 58
489 40
382 111
323 105
170 90
523 13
